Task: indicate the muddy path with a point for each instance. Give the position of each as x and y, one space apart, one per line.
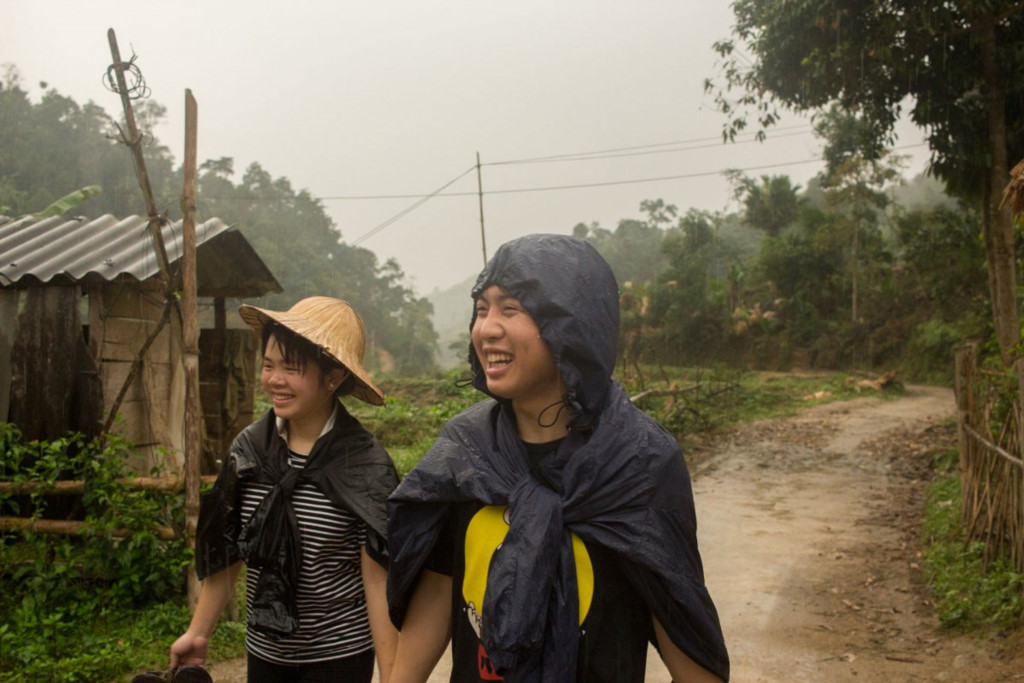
810 537
809 532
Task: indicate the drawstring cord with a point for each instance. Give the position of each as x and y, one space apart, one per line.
562 403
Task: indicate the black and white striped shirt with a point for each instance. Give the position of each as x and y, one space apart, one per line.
331 603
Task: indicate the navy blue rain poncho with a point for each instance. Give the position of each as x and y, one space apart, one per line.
621 480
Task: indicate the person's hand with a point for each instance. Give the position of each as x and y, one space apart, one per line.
189 649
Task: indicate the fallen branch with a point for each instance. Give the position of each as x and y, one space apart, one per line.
664 392
682 390
878 383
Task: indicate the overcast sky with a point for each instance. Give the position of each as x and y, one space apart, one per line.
381 98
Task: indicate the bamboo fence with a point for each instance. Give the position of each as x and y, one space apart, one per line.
991 468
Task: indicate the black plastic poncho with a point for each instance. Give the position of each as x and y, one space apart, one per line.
348 465
622 483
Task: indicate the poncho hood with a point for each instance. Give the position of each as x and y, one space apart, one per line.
570 292
619 481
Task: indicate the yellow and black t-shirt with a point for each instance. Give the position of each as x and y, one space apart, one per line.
615 624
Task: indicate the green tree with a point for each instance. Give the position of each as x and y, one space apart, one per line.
686 306
54 147
633 249
304 249
771 205
943 263
954 62
856 183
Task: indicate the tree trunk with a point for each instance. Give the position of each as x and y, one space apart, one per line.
998 224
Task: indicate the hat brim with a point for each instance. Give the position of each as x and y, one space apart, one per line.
257 318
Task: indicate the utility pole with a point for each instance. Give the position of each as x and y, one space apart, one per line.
190 338
480 195
134 142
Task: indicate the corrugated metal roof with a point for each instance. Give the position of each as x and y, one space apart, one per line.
58 250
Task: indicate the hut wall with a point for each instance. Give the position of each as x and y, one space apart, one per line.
152 411
8 333
53 385
227 366
118 319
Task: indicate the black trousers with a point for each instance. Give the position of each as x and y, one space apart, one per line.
354 669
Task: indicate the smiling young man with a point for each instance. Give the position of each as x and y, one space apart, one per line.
549 533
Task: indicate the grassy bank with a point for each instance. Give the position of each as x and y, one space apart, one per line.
969 593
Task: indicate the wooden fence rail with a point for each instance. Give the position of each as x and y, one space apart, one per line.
77 486
985 443
73 528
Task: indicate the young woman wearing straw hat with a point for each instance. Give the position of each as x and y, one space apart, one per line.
301 499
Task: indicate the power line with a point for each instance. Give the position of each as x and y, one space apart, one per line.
631 151
684 176
583 156
699 174
437 193
367 235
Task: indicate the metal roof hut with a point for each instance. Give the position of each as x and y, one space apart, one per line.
86 333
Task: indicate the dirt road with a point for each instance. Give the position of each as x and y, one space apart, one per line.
809 529
809 532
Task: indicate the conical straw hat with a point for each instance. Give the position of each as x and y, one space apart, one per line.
330 324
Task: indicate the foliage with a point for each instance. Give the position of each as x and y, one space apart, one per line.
870 58
968 594
687 310
415 409
944 262
771 205
855 282
632 249
954 63
69 201
314 260
710 400
55 147
714 399
65 596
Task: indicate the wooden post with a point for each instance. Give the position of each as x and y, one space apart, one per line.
190 334
134 142
966 358
480 196
1016 477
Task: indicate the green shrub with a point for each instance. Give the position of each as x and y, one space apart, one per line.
66 596
415 410
967 593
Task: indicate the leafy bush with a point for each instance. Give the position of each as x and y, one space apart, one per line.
66 596
931 348
415 410
967 593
